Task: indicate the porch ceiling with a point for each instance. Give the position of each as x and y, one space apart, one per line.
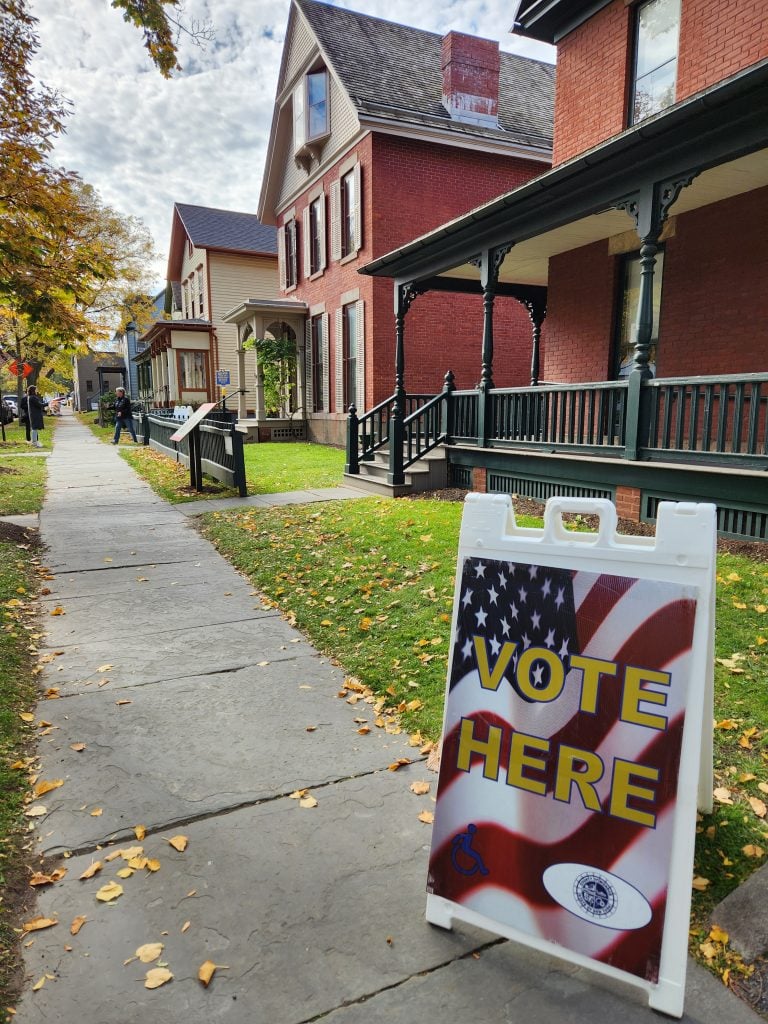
528 261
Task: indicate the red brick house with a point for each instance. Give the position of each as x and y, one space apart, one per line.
381 132
647 239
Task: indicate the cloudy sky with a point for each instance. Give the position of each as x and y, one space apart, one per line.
145 142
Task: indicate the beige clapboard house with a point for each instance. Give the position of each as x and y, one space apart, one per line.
217 260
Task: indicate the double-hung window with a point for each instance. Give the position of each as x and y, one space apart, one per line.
348 209
318 366
657 31
192 370
200 291
316 235
349 328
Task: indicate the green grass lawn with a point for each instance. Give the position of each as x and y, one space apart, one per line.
370 583
22 484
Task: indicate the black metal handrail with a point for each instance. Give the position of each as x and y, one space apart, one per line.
424 429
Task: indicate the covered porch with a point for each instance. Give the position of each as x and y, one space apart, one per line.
174 367
284 420
639 391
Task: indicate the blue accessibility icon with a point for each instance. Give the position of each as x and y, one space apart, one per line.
461 852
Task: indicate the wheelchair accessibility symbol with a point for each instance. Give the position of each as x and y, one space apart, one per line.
465 860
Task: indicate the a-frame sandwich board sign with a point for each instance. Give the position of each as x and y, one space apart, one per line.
577 732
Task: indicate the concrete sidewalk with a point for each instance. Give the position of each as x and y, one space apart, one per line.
194 704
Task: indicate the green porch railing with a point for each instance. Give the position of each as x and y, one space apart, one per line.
719 420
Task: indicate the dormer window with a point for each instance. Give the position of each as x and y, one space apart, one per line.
310 111
656 45
317 104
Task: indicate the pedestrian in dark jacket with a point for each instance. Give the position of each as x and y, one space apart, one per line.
123 416
35 410
24 417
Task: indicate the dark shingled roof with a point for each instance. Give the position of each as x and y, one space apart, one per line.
394 71
226 229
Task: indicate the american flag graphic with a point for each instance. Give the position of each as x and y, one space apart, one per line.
492 841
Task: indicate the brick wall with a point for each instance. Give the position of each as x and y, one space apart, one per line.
717 40
582 285
409 188
594 64
714 302
590 82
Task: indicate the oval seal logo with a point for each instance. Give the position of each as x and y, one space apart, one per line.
597 896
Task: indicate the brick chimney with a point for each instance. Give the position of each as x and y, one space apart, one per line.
470 78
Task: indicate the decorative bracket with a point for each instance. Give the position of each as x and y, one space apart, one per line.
407 293
649 206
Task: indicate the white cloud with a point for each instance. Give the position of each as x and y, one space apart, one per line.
145 142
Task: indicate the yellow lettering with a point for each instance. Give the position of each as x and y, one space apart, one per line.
490 680
592 669
622 789
518 760
489 750
567 773
634 694
554 685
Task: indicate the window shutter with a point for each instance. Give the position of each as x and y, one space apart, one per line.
336 220
321 231
309 401
307 255
339 360
281 257
360 329
299 124
358 208
326 382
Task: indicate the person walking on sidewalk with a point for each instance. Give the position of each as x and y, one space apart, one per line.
123 416
35 409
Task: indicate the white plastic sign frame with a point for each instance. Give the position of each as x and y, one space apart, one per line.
578 717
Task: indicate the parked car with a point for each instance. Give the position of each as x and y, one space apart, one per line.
11 402
6 413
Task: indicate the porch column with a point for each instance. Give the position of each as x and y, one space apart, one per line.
490 265
174 395
404 296
241 386
649 207
261 412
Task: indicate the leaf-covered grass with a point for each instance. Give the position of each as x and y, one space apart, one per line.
18 585
22 485
370 582
170 479
16 437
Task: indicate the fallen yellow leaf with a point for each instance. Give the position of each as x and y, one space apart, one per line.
396 765
125 872
38 984
139 831
718 935
110 891
727 723
763 787
157 976
152 864
700 884
26 716
97 812
36 811
708 950
77 747
38 923
91 870
419 788
752 850
179 843
758 806
149 951
185 926
723 795
46 785
307 802
427 817
206 972
77 924
57 611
